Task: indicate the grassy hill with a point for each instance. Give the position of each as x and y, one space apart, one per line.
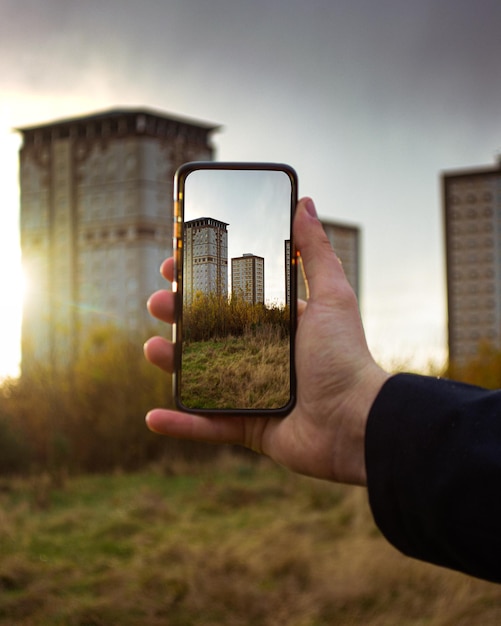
248 371
234 543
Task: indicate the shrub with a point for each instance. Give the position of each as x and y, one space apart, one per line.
211 316
88 416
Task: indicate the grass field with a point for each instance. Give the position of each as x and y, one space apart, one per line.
233 543
251 371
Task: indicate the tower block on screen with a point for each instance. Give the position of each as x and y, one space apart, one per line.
205 265
247 278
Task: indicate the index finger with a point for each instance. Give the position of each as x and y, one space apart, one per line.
167 269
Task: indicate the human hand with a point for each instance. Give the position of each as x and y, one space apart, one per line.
337 378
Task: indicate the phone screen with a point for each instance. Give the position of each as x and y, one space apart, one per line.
236 287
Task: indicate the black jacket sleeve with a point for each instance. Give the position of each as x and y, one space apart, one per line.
433 455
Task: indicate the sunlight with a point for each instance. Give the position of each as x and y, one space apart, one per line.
12 281
16 110
13 287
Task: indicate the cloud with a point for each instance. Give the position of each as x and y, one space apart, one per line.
368 100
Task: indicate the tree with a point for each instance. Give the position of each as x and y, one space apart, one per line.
484 369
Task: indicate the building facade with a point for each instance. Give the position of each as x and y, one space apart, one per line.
205 258
287 260
96 221
247 278
472 224
345 239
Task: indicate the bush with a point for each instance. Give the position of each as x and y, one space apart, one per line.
483 370
211 316
88 416
15 452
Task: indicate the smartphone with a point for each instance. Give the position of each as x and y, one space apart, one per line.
235 281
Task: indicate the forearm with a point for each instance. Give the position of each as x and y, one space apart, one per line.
433 457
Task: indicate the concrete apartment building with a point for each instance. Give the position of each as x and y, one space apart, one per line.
472 220
345 240
287 259
247 278
96 221
205 264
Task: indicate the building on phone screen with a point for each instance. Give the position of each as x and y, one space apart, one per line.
247 278
205 258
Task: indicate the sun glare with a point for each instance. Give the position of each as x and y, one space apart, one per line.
12 282
12 285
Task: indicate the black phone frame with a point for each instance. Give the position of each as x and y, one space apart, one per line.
177 330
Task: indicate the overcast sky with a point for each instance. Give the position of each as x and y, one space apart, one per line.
256 207
368 100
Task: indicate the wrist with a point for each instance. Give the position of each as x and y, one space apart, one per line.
349 454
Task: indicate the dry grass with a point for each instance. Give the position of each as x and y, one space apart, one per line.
239 544
251 371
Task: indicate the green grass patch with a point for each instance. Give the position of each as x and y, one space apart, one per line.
236 542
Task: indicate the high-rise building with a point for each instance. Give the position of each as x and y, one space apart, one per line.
247 278
345 240
205 264
287 260
472 219
96 221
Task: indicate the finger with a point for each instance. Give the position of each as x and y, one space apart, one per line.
167 269
322 268
215 429
160 352
161 305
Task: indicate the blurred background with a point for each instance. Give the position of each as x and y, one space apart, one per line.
369 102
102 522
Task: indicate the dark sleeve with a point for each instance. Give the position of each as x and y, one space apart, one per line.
433 454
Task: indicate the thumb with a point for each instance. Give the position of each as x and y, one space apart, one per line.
323 271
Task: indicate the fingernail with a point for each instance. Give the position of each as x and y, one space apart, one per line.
148 420
310 207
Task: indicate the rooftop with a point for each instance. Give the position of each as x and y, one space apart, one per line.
115 114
